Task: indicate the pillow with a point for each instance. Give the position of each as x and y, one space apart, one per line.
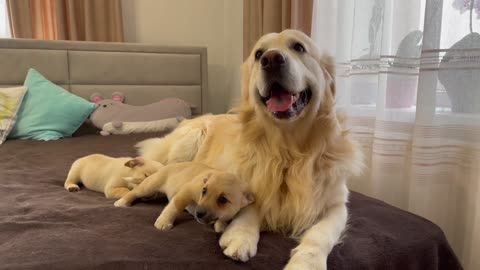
49 112
140 127
10 102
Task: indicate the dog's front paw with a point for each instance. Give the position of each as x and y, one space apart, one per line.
238 244
306 258
163 225
219 226
121 203
72 188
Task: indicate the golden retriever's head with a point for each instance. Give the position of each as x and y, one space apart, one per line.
141 168
222 196
287 78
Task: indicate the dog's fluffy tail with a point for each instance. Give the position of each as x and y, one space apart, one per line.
144 146
179 146
154 149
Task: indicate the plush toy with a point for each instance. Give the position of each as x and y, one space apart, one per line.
112 116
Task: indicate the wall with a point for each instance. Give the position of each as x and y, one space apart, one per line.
216 24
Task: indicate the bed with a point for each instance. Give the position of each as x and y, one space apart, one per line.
42 226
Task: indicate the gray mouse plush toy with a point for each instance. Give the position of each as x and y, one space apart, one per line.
112 116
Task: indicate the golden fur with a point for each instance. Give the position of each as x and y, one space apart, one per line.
112 176
296 167
198 188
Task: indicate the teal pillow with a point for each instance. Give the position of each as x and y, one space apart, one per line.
48 111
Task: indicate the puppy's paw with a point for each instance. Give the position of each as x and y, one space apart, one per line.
163 225
219 226
72 188
306 258
239 245
121 203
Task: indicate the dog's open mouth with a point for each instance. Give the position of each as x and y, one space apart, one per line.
283 104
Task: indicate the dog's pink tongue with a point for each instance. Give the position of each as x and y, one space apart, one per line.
280 101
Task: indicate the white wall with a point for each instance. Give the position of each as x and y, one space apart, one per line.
216 24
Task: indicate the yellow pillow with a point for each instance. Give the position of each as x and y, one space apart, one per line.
10 101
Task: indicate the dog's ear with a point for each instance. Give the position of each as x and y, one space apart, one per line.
246 70
138 161
249 197
328 62
206 177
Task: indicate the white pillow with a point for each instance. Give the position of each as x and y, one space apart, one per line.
140 127
10 102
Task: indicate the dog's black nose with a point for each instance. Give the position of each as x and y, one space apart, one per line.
200 214
272 60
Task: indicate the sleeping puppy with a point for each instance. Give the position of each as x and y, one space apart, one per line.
112 176
208 194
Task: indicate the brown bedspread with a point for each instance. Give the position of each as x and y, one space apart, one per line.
42 226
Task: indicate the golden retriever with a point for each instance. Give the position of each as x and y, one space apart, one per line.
287 141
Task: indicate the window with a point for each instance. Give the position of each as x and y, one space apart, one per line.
4 23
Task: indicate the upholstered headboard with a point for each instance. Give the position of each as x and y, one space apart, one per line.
144 73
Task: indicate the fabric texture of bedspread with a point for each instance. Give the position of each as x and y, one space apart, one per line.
42 226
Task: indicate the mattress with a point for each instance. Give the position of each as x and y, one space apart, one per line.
42 226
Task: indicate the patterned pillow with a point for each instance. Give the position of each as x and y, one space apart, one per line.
10 101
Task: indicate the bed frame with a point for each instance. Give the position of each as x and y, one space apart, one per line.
144 73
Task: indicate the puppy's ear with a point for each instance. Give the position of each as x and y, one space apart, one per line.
138 161
249 197
206 177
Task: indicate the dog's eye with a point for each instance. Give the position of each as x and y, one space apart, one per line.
222 200
146 175
298 47
204 191
258 54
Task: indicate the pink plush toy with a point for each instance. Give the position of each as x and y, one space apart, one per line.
112 116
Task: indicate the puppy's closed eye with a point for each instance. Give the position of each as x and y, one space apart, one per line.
222 200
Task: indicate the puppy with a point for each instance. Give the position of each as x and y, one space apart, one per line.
208 194
112 176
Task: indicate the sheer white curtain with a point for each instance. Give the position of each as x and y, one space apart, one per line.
409 75
4 24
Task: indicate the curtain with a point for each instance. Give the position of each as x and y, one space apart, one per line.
408 73
264 16
90 20
4 24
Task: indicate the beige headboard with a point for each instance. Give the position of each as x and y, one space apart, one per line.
144 73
